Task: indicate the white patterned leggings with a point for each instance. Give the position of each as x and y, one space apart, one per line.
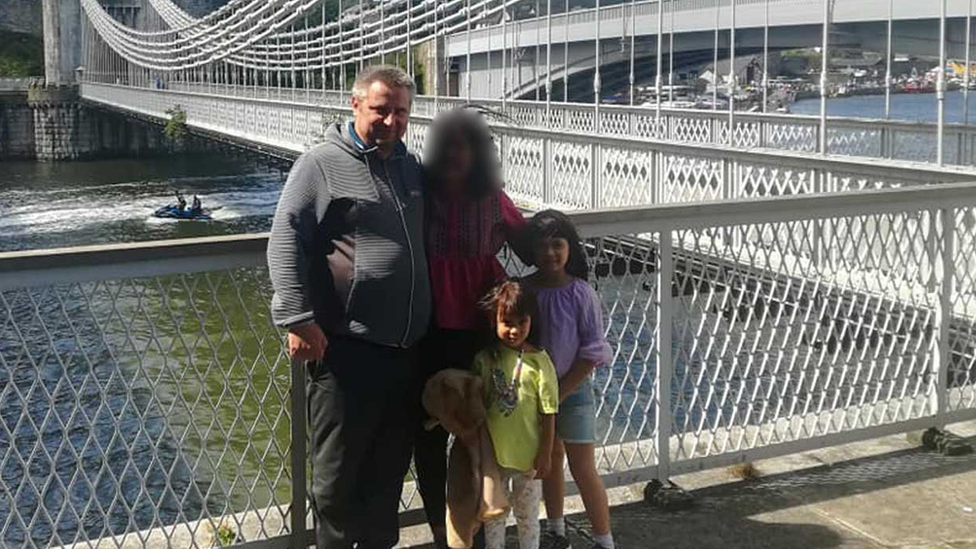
524 493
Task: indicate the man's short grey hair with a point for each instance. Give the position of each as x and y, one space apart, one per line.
387 74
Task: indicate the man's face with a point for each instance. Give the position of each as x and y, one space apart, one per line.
381 117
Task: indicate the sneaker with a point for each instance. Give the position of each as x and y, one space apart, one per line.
552 540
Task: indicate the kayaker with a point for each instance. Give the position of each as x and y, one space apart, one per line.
181 202
197 206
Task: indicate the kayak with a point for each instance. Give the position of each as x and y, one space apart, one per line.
173 212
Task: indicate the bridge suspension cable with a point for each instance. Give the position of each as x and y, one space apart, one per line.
259 45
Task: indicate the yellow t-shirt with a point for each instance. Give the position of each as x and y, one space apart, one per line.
514 422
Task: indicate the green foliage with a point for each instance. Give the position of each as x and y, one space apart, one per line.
175 129
21 55
419 77
224 536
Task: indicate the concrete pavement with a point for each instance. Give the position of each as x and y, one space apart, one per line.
886 493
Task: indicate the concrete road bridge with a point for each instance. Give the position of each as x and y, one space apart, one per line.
511 56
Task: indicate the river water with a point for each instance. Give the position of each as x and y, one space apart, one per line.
45 205
167 394
910 107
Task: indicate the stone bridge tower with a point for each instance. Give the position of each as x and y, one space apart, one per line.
62 40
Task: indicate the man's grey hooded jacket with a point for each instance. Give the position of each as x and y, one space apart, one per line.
347 246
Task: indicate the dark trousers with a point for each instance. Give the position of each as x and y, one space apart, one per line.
440 349
363 407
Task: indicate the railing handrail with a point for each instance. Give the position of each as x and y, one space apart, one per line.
151 258
164 257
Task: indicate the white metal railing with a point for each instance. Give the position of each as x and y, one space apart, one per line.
846 137
145 399
592 170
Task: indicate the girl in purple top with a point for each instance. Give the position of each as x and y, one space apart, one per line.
570 324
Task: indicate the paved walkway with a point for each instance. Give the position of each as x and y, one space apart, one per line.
887 493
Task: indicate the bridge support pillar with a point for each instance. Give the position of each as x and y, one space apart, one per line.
62 40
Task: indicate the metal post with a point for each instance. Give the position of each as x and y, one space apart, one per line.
342 52
941 84
299 455
294 71
308 64
409 39
823 76
383 34
671 55
660 63
324 64
965 89
362 36
437 60
596 70
538 50
718 17
733 77
504 56
566 54
665 365
548 60
633 45
888 75
488 53
277 64
467 62
765 80
947 289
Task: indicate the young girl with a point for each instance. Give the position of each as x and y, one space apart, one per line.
570 326
521 398
469 219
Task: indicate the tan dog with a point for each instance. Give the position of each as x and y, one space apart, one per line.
455 400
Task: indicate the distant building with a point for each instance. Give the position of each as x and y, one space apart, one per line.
747 68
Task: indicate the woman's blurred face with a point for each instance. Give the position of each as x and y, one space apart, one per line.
458 159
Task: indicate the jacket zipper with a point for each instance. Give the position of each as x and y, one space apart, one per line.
406 236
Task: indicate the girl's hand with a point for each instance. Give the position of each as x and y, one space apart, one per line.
543 465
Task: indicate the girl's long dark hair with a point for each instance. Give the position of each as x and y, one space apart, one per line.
468 122
555 224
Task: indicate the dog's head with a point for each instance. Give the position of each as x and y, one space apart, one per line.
454 398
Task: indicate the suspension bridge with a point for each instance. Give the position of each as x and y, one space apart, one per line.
773 283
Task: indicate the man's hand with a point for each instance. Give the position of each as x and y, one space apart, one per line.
307 342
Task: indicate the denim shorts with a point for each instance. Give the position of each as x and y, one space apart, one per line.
576 421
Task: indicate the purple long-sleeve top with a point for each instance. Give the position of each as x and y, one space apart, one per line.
570 325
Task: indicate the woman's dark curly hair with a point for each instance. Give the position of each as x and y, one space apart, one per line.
555 224
469 124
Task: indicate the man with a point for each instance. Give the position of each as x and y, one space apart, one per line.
347 263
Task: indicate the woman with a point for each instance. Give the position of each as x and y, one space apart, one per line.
469 220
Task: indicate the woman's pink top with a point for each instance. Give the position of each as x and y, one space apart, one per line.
463 241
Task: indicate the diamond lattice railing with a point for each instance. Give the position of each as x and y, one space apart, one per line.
153 409
147 411
962 357
789 331
622 269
